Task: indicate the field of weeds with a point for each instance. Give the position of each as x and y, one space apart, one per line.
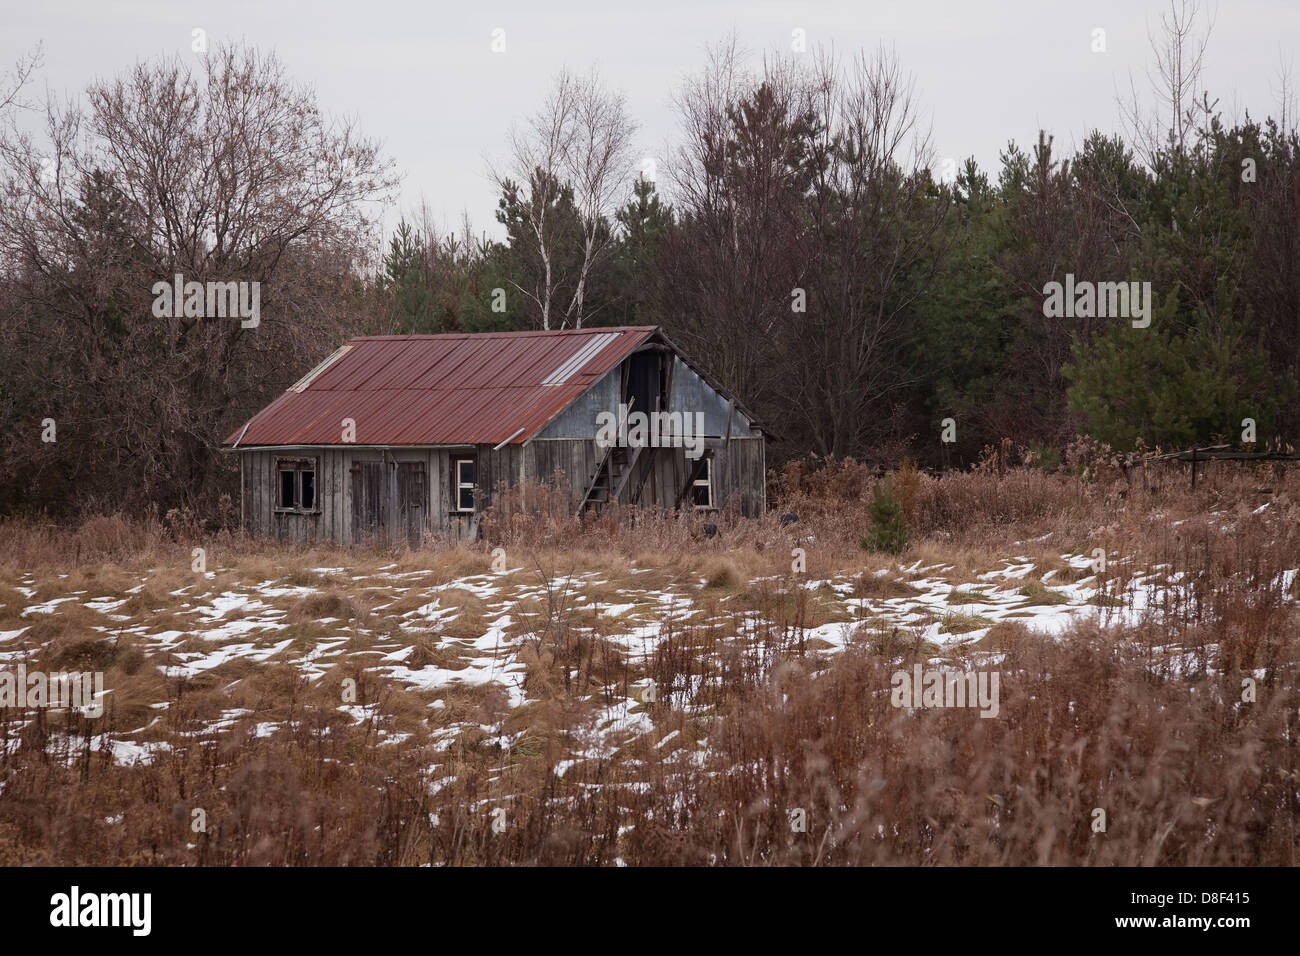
628 690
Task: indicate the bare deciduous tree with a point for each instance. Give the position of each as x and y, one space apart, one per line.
739 178
13 82
807 224
579 141
229 175
874 216
1179 59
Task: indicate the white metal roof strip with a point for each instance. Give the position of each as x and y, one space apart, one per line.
307 379
579 359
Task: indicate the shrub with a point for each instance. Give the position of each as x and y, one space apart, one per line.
909 480
888 521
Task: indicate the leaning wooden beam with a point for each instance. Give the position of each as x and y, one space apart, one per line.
617 490
1244 456
724 473
646 472
1215 453
1180 455
691 474
595 480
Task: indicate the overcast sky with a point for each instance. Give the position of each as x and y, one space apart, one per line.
421 76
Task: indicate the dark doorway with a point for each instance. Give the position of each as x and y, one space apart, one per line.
644 389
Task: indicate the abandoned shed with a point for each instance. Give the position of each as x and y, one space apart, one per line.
395 437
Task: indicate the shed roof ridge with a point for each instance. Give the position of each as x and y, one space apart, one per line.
487 390
425 336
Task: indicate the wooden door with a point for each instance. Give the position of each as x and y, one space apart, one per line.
412 502
369 503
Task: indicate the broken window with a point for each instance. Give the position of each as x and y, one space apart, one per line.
287 492
702 487
307 478
296 485
463 474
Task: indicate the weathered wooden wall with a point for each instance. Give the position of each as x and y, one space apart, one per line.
739 472
740 475
335 495
740 466
416 510
333 522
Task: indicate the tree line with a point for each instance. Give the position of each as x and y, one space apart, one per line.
862 296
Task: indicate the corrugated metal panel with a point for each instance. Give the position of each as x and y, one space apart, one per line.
307 379
584 355
441 389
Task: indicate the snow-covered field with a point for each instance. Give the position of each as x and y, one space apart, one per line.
436 639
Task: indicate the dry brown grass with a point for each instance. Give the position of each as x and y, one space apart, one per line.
1145 721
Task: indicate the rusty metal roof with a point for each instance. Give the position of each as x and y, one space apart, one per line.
461 389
